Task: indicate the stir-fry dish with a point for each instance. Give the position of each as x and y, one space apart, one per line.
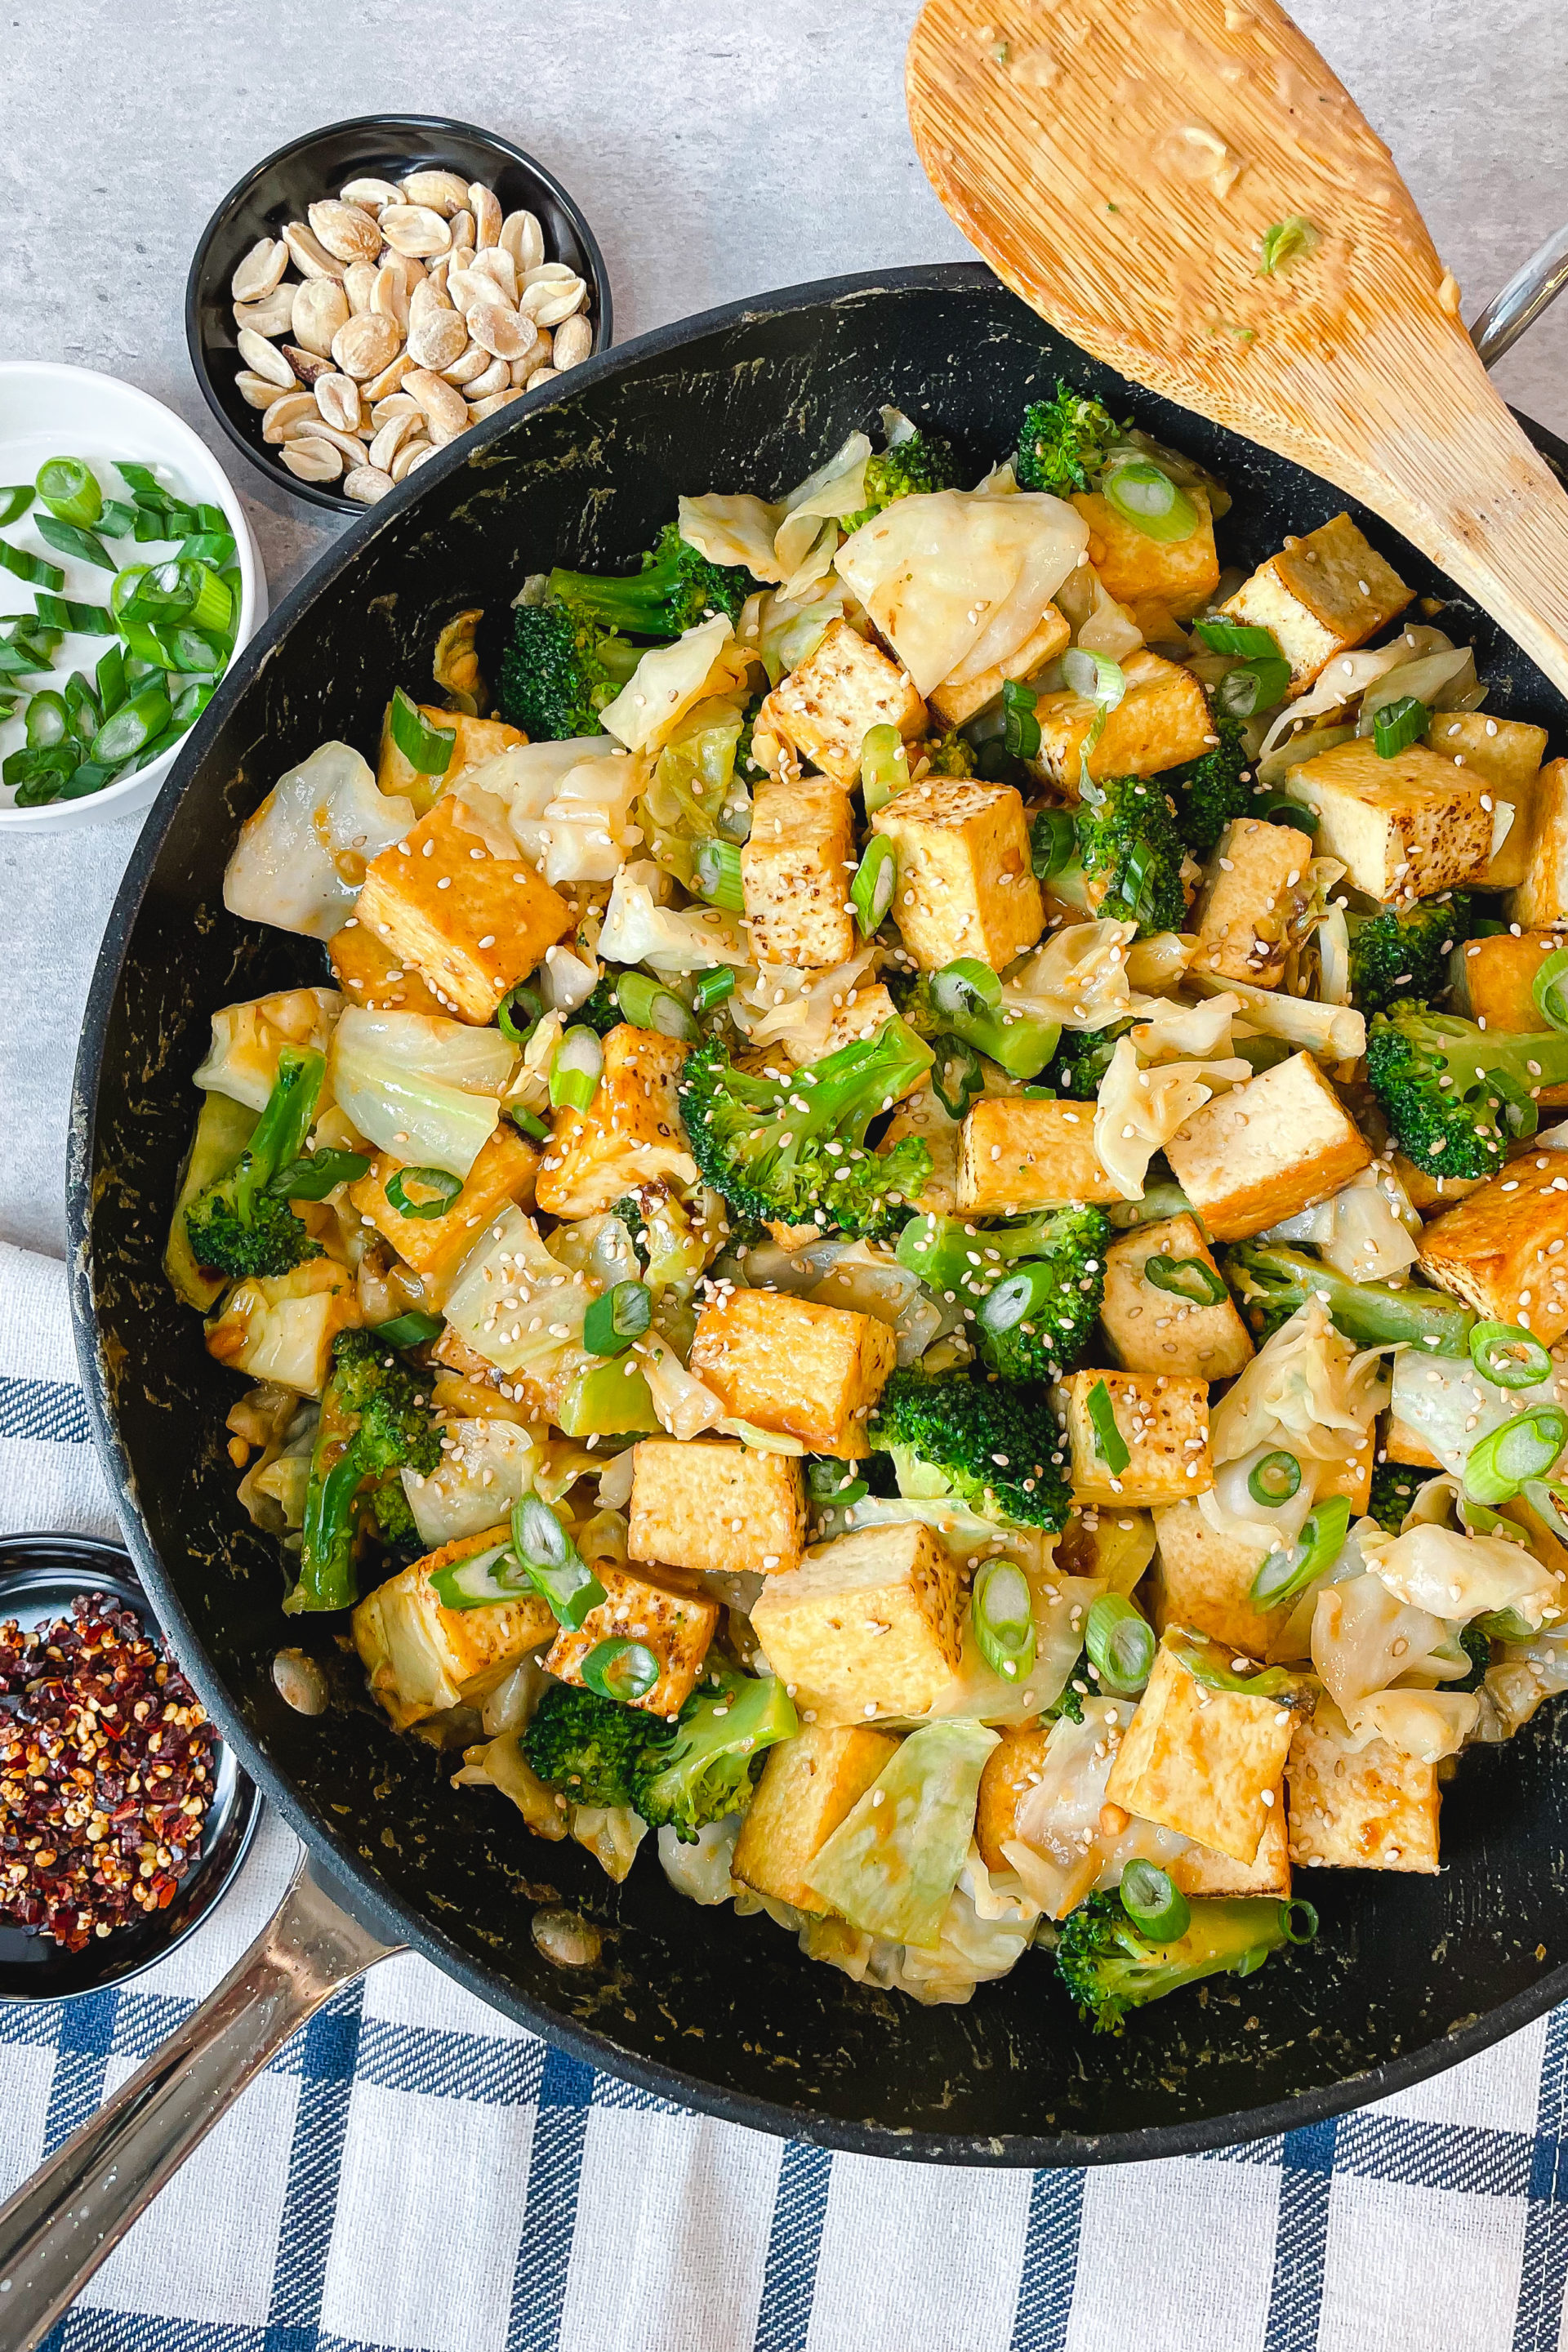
912 1244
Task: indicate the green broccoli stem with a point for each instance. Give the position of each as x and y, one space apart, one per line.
279 1136
706 1769
972 1002
1454 1092
1271 1280
1109 1965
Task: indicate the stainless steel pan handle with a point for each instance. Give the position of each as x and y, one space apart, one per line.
61 2224
1522 299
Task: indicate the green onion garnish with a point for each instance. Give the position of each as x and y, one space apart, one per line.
1252 687
482 1581
871 892
1120 1645
1548 989
1500 1464
214 547
63 612
1507 1355
1020 728
1287 1574
575 1071
1286 241
116 519
316 1173
713 988
425 747
1003 1613
884 766
1395 724
1198 1657
1157 1909
716 870
963 989
1053 842
69 538
616 1317
1144 495
410 1330
956 1076
189 706
69 489
30 568
132 727
85 718
559 1573
1026 1293
1243 638
1108 1442
1279 809
529 1122
15 500
1191 1278
144 485
648 1005
48 721
440 1182
1299 1921
518 1014
620 1670
1274 1479
833 1483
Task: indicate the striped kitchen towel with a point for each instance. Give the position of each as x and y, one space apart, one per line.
414 2174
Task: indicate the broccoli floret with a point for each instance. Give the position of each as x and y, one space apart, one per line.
1272 1279
586 1746
794 1149
1109 1965
1454 1093
709 1765
1052 1269
1399 954
952 756
676 589
240 1225
561 669
1063 443
1394 1486
1477 1646
1213 788
983 1442
374 1422
918 464
1078 1067
1130 853
394 1521
600 1010
966 1000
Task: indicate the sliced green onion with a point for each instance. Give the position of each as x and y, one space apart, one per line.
1298 1921
1108 1442
425 747
316 1173
1274 1479
189 706
1026 1293
1120 1645
126 584
1242 638
1500 1464
1191 1278
560 1573
528 1121
483 1581
1285 1575
956 1076
214 547
1197 1657
63 612
833 1483
1509 1357
1279 809
1144 495
440 1182
1548 989
1252 687
884 766
30 568
211 518
871 892
518 1014
91 777
69 489
86 716
116 519
1157 1908
616 1317
1002 1614
69 538
965 988
1095 677
132 727
620 1670
410 1330
1395 724
1286 241
575 1071
1020 728
648 1005
1053 842
144 485
713 988
716 868
15 497
48 721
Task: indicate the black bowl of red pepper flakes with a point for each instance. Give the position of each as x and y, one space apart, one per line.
123 1815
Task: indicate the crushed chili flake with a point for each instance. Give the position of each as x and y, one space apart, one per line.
106 1773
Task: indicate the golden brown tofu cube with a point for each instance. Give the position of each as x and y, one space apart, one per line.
1256 889
1203 1579
1200 1870
1016 1154
1180 574
809 1785
1162 720
1321 595
630 1133
1401 1444
1366 1809
368 973
713 1504
827 707
1540 899
477 740
1404 827
799 1370
435 1248
1155 1330
1206 1762
1350 1476
471 923
1013 1768
795 872
1495 985
869 1623
1506 755
1163 1419
965 882
1430 1195
1505 1250
422 1658
640 1605
1276 1145
951 704
864 1011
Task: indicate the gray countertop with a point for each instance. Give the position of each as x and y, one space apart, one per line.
718 151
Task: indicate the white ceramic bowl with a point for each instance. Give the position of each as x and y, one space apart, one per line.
48 411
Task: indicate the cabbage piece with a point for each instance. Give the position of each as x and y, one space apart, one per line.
685 1405
1446 1403
246 1039
611 1834
804 542
730 530
1176 1032
566 806
1308 1392
1427 1724
1343 681
799 1009
512 1301
789 632
700 1869
487 1466
1139 1110
1060 1852
299 861
689 798
1363 1639
638 928
418 1086
1464 1575
986 1929
500 1764
1522 1680
709 659
893 1862
1368 1232
1098 622
280 1327
957 581
1061 1606
1080 977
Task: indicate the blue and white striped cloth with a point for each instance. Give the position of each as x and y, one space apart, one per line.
414 2174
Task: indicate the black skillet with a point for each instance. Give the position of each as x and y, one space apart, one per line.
1409 1975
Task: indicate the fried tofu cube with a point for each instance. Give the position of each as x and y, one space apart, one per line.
953 703
435 1248
1430 1194
1540 899
1506 755
1495 983
470 923
1016 1154
869 1623
1256 889
630 1133
827 707
477 740
965 886
1013 1768
1505 1250
1180 574
1161 720
1163 1419
795 872
1203 1580
1401 1444
1367 1809
1321 595
1155 1330
1350 1476
1201 1870
797 1368
864 1011
1404 827
368 972
809 1785
281 1327
1278 1144
922 1114
1206 1762
422 1658
716 1504
641 1605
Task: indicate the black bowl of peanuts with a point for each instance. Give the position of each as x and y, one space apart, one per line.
373 289
123 1818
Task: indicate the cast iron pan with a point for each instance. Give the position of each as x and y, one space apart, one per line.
1409 1975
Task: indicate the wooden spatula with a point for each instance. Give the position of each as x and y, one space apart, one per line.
1132 168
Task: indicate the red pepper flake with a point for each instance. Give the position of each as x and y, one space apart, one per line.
90 1840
